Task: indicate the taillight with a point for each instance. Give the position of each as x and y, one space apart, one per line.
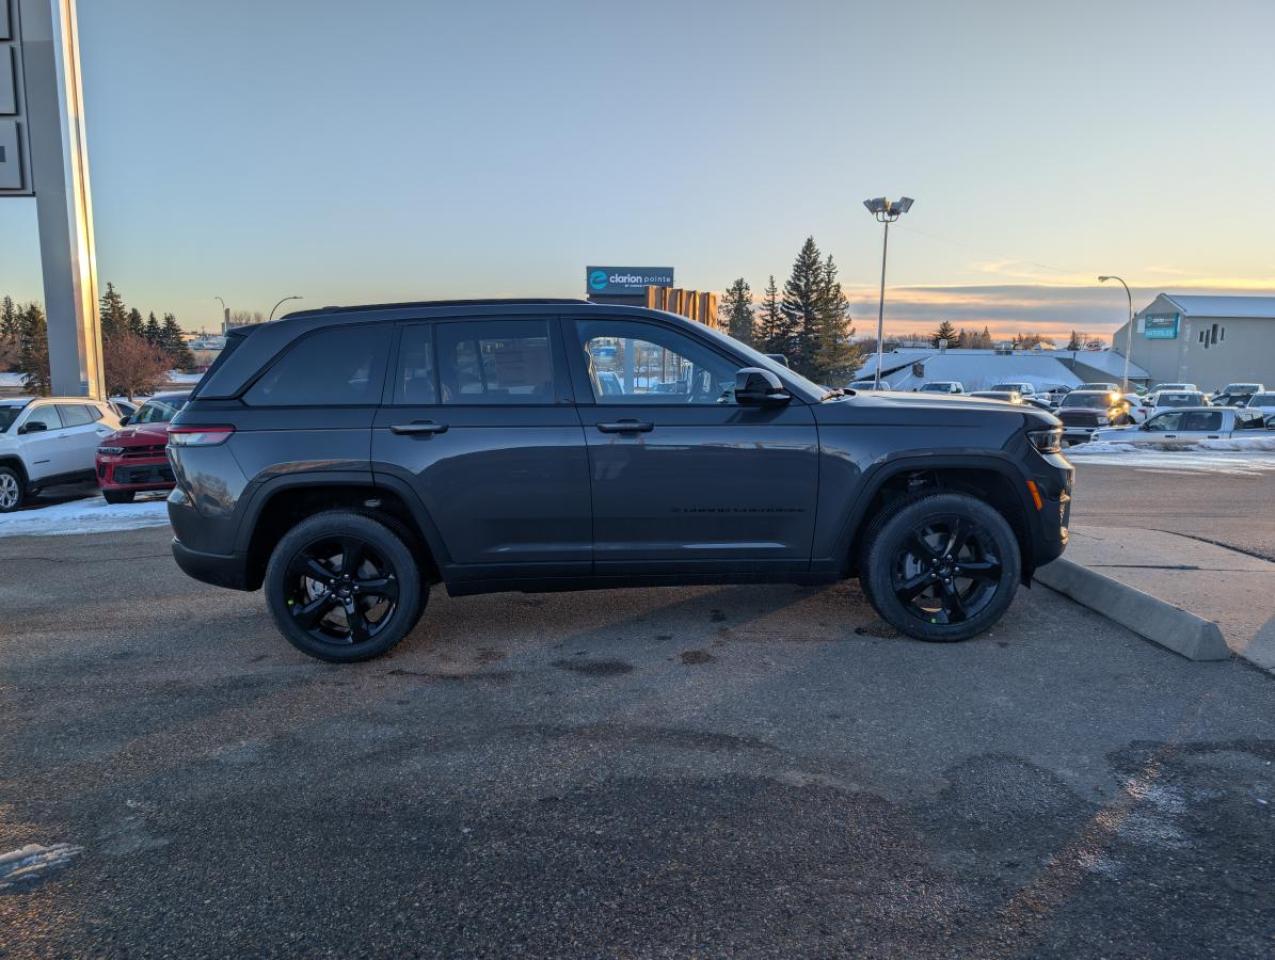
198 436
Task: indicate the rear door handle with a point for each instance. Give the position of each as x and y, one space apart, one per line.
626 426
419 426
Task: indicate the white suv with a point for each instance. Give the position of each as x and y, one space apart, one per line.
48 440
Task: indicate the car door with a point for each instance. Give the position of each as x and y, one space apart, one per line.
1201 425
45 452
682 477
84 429
479 419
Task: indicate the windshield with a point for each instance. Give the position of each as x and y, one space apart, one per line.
936 388
158 410
1008 386
7 416
1087 401
1262 400
1179 400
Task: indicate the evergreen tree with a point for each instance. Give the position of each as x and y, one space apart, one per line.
153 334
113 313
737 311
136 325
172 343
773 334
803 296
33 357
985 341
835 356
945 332
9 319
1074 342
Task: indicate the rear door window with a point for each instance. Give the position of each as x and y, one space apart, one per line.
1202 420
336 367
416 382
75 415
495 362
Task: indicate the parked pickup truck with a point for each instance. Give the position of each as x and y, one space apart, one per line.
1188 424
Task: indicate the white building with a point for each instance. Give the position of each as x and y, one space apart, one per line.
1206 340
909 368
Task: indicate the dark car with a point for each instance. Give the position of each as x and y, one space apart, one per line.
348 459
133 458
1084 411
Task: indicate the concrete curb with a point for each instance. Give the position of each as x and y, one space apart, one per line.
1160 622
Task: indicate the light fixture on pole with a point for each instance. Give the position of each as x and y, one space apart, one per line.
284 300
1128 340
886 212
225 315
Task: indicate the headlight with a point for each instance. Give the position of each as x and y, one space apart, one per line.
1103 421
110 451
1047 441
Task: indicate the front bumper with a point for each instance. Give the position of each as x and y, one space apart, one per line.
134 473
1051 521
1079 434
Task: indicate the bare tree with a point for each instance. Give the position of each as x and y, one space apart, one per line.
240 318
134 366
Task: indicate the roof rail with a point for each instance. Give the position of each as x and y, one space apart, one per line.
482 302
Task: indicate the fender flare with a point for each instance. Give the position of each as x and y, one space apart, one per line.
886 469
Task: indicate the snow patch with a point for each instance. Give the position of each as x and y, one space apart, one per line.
27 864
93 515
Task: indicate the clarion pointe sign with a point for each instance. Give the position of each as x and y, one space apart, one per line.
626 281
42 155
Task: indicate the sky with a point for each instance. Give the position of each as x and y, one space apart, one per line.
386 150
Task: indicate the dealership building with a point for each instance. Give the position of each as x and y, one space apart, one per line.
1206 340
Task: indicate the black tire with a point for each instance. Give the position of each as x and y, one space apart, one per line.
12 490
915 554
311 595
119 496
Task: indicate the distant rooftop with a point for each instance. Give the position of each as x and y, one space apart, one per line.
1194 305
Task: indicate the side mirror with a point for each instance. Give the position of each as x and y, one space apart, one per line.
124 420
755 387
34 426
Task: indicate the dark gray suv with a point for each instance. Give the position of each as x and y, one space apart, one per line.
348 459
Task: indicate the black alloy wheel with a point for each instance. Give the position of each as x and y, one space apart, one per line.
344 586
946 570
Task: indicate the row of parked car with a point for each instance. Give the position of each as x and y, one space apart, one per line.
1094 411
52 441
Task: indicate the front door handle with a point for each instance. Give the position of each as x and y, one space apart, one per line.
418 427
626 426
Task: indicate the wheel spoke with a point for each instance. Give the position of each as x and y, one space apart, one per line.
352 552
384 587
316 570
907 590
919 548
358 624
309 614
988 569
960 533
952 603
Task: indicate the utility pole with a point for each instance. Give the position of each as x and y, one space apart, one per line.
1128 340
886 212
42 119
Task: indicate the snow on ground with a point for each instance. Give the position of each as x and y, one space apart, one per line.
27 864
1196 458
92 515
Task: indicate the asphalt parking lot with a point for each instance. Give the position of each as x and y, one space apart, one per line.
731 771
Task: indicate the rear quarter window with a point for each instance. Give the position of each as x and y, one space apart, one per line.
333 367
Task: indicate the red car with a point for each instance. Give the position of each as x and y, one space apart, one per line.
133 458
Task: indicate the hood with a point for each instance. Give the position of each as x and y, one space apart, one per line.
938 409
142 435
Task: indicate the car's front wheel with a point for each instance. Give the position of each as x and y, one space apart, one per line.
11 492
943 567
343 587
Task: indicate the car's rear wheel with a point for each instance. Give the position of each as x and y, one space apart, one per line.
941 568
11 492
343 587
119 496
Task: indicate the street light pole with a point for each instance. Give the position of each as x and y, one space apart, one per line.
284 300
225 315
886 212
1128 340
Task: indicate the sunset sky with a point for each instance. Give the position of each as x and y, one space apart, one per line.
397 150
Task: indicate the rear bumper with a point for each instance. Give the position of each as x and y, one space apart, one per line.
221 571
